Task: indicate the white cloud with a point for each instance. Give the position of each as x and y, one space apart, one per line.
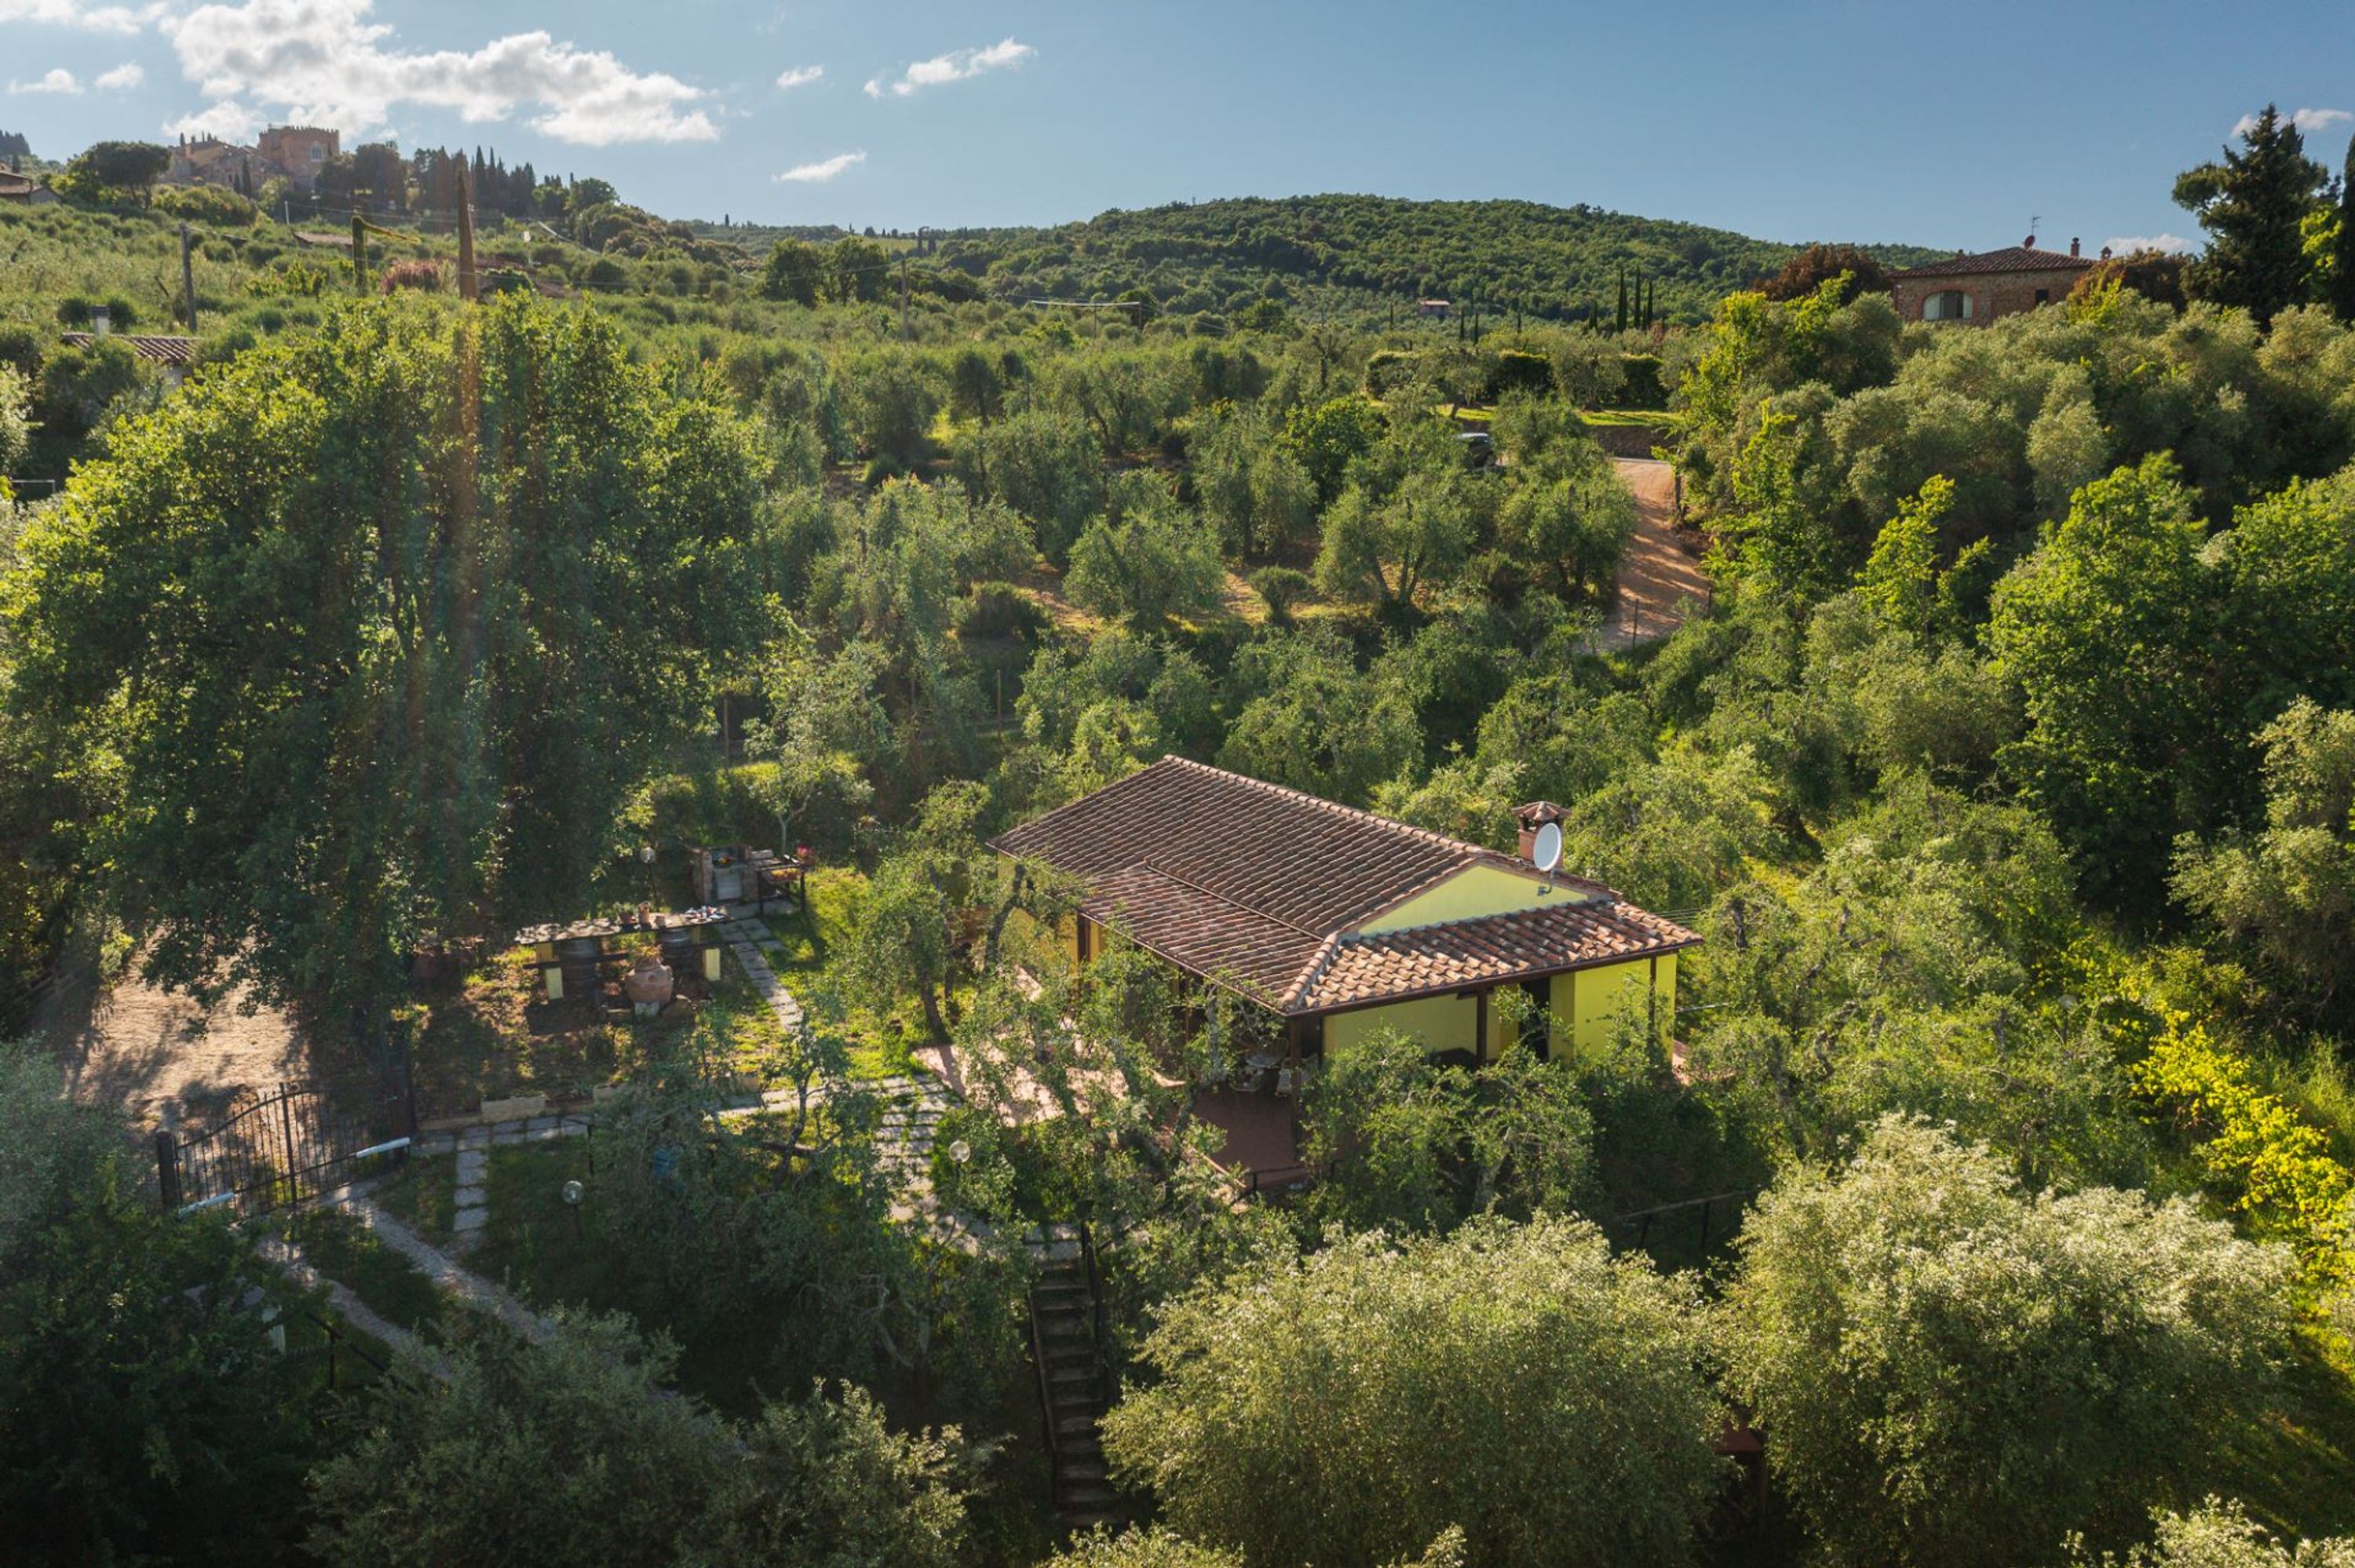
228 121
74 14
825 169
954 66
2127 244
2307 120
127 75
324 62
800 76
58 80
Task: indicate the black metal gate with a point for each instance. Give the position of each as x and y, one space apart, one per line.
284 1147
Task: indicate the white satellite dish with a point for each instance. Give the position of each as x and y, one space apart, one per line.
1545 851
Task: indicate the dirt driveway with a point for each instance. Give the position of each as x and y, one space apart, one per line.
1656 575
159 1054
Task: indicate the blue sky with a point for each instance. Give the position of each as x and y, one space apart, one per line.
1829 120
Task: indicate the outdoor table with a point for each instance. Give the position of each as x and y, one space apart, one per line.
546 942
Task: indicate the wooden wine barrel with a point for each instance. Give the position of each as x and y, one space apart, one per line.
577 957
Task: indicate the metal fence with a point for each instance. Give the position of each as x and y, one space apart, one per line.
1685 1233
284 1147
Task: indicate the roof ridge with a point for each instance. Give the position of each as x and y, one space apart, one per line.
1314 970
1354 812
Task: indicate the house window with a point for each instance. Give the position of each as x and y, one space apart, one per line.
1947 306
2043 296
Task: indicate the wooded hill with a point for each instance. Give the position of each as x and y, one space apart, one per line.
1368 255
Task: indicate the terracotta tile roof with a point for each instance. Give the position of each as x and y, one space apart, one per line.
2011 259
154 348
1259 886
1489 951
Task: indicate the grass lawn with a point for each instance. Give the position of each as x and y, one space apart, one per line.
805 956
426 1199
1627 417
533 1241
343 1249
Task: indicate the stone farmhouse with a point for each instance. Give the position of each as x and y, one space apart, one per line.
1979 287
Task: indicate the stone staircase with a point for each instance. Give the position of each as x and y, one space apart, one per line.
1066 1330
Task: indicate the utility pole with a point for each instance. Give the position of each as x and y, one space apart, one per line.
465 231
188 279
906 333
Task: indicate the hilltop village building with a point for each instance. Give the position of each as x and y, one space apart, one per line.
296 153
1341 923
1979 287
301 150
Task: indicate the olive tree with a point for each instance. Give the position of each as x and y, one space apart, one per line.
1349 1406
469 1465
1958 1371
2220 1535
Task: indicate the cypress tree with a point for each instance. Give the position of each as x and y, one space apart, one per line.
2342 275
1623 298
2253 206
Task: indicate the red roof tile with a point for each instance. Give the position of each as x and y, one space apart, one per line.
2011 259
1260 887
154 348
1489 950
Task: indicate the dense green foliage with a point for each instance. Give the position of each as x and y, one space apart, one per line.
1349 1406
145 1412
569 1450
1368 255
1955 1372
369 693
2005 777
2220 1536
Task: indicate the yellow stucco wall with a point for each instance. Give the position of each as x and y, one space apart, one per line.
1594 1002
1473 892
1442 1023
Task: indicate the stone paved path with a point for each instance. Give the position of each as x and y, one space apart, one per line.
912 1104
745 936
444 1271
500 1133
290 1261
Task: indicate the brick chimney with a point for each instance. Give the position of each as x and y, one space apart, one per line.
1532 817
2106 252
2072 245
101 321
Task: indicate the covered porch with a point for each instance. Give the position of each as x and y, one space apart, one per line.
1262 1152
